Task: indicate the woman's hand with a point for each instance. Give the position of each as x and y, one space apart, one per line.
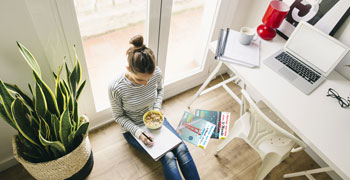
145 140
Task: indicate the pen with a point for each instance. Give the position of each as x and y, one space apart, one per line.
147 137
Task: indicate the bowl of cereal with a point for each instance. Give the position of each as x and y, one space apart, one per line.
153 119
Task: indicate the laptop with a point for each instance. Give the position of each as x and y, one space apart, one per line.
307 58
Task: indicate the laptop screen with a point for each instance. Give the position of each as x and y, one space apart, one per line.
316 47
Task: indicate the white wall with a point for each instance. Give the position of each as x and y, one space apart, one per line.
16 25
250 13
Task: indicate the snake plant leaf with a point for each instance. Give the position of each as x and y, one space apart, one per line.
31 90
29 58
70 140
55 153
75 76
64 89
54 75
53 144
44 128
20 117
80 89
29 156
58 78
40 103
69 98
77 66
50 127
56 124
15 89
29 151
65 127
60 98
75 119
50 98
71 104
34 121
73 82
68 92
4 115
68 73
6 98
82 130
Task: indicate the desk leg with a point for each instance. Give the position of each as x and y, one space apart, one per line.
308 173
217 68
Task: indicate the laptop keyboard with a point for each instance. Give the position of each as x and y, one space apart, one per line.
303 70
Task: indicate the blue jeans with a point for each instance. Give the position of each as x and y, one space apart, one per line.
180 153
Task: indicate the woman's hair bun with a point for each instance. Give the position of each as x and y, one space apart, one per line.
137 41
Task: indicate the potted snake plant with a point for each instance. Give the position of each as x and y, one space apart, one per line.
52 140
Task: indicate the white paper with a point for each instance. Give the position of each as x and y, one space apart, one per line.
164 140
235 52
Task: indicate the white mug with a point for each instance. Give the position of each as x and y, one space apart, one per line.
246 35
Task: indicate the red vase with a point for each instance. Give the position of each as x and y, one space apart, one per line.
272 19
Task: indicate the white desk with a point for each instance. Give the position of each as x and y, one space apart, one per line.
319 120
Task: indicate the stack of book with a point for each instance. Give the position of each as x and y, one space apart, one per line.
198 128
230 50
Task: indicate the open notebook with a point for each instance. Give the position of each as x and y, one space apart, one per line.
164 141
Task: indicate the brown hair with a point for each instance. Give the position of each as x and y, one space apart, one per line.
140 58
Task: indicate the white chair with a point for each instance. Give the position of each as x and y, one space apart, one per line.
272 143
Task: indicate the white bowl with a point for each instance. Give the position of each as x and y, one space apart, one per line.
151 124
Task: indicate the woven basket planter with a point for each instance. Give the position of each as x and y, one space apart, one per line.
74 165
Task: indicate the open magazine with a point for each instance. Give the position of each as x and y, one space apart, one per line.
195 130
220 119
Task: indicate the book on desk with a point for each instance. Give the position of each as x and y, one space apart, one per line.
230 50
164 141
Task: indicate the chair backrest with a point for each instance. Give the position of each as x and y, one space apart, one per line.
263 127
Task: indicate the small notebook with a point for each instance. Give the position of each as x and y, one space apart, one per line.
230 50
164 141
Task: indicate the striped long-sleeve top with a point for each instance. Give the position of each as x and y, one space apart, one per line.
130 101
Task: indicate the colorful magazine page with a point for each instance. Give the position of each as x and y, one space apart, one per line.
195 130
220 119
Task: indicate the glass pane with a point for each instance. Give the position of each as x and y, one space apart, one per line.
185 24
106 27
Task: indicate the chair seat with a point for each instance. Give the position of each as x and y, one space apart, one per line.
277 144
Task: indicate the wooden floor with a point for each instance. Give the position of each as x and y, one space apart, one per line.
115 159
